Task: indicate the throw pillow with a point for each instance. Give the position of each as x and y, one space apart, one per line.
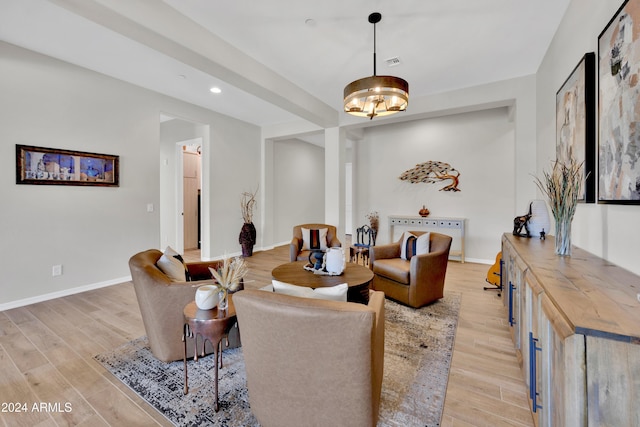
333 293
423 244
408 248
314 238
173 265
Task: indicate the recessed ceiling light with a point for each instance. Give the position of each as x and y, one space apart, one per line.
215 89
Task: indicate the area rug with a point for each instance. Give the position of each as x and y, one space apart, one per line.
418 349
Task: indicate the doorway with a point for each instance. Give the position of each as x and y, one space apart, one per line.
191 151
183 201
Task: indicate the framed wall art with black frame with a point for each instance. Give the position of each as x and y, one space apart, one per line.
51 166
619 107
576 122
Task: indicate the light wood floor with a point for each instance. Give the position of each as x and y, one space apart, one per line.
47 349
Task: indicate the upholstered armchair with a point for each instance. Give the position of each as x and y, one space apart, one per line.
312 362
414 282
162 301
298 252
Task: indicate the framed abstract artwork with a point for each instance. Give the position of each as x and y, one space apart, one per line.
50 166
576 122
619 107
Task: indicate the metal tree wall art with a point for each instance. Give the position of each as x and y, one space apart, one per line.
431 172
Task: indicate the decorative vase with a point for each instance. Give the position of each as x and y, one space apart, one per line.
563 237
223 296
539 218
334 260
207 297
374 222
247 238
424 212
563 187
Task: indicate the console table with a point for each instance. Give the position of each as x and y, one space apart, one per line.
575 323
439 225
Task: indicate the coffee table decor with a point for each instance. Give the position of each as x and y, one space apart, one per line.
320 272
331 263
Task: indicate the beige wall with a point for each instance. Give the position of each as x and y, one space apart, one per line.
609 231
92 231
480 145
298 190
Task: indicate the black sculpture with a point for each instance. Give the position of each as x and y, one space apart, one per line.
522 221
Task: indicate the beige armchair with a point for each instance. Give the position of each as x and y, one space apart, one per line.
295 251
162 302
312 362
416 282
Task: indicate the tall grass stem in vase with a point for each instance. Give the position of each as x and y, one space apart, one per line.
563 187
229 277
247 237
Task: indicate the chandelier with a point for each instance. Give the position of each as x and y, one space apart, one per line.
376 95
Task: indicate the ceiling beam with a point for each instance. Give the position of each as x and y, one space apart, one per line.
160 27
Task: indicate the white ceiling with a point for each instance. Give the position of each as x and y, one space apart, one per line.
305 50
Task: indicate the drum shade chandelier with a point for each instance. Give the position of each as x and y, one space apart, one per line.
376 95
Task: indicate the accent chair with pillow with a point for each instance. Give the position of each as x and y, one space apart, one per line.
307 237
312 362
162 289
412 270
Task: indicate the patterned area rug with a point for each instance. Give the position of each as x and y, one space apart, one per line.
418 348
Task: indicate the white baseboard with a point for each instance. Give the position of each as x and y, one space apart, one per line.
480 261
63 293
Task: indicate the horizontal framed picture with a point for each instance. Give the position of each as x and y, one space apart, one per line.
51 166
619 101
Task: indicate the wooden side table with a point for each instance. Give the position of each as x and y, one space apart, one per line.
211 325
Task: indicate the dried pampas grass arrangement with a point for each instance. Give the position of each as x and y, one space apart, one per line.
563 188
230 273
247 204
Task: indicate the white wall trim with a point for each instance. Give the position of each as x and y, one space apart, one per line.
63 293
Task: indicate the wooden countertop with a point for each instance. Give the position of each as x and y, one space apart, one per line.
596 297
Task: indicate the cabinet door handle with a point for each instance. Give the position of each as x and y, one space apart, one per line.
533 366
511 289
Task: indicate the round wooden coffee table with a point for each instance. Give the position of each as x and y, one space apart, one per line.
356 276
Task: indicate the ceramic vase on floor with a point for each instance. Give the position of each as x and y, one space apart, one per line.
247 238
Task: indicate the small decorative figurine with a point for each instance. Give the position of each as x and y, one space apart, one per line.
543 235
522 221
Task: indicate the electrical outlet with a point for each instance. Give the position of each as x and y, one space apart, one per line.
56 270
638 296
149 207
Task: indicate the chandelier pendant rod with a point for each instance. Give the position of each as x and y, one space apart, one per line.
374 49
